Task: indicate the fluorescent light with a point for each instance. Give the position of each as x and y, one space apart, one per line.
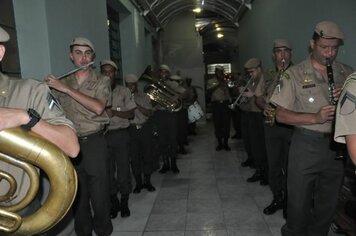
197 10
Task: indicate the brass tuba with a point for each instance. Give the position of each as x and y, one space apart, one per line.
25 150
161 93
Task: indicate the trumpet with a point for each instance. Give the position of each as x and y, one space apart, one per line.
241 99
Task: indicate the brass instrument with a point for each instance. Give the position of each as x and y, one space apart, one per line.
270 109
26 150
241 99
161 93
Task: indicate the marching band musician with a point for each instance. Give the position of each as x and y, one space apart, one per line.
314 174
141 137
31 105
84 96
277 136
252 118
166 125
118 138
220 100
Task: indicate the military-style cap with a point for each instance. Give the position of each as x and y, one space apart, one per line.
108 62
219 67
329 30
164 67
175 77
252 63
80 41
4 36
131 78
281 43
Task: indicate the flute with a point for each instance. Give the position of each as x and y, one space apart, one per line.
75 70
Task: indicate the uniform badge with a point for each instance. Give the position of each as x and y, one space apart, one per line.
284 76
53 102
311 100
347 103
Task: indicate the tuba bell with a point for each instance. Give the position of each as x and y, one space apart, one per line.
161 93
26 150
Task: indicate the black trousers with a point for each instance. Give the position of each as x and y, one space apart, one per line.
141 149
222 119
277 140
245 133
167 133
182 122
256 139
119 158
314 181
93 188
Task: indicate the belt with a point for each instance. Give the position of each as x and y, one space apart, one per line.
312 133
136 126
84 138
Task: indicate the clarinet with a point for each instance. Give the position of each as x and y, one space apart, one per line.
329 71
340 150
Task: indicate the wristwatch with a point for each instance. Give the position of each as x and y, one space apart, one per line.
34 118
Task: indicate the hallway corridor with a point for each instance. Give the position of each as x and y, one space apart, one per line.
209 197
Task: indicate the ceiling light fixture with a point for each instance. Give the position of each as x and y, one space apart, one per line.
218 29
197 10
220 35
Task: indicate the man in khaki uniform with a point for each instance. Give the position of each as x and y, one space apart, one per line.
166 122
30 104
345 128
118 138
253 131
220 100
277 136
141 137
314 175
84 96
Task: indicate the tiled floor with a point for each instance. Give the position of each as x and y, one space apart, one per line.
210 197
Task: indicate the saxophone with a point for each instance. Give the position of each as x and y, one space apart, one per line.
270 110
26 150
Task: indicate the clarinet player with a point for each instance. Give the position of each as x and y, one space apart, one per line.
314 175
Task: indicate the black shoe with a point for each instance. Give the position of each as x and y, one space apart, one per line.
115 206
182 151
175 169
147 183
137 189
149 187
164 168
255 177
125 211
219 147
263 181
227 148
273 207
246 163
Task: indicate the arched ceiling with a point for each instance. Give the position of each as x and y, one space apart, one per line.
160 12
222 14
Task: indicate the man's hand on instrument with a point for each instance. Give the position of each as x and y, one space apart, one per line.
248 93
326 113
52 82
336 94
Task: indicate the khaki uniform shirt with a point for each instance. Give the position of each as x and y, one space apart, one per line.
25 94
345 123
86 122
221 93
121 101
144 101
303 89
257 87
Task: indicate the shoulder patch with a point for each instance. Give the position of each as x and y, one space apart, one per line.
53 102
347 103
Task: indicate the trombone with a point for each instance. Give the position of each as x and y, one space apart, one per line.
241 99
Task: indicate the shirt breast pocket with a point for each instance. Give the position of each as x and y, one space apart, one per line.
313 95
